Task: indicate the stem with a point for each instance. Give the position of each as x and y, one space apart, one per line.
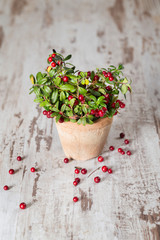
93 171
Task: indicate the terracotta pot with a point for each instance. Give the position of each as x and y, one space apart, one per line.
84 142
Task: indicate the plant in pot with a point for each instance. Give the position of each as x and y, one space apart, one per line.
82 103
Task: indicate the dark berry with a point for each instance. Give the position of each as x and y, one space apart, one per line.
126 141
77 180
109 74
11 171
44 112
111 148
121 135
97 179
92 111
88 73
96 78
108 88
19 158
84 171
113 105
66 160
61 120
123 152
5 187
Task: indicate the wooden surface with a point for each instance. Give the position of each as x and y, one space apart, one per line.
126 204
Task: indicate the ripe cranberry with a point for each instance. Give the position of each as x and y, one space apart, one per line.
111 78
76 103
92 111
113 105
59 62
96 78
53 55
126 141
101 113
44 112
111 148
5 187
107 101
121 135
129 153
110 171
61 120
49 114
75 183
108 88
115 112
81 97
33 169
118 101
11 171
22 205
19 158
97 179
123 152
106 95
77 180
100 159
83 101
104 109
120 150
70 97
96 89
65 79
104 73
53 64
75 199
104 168
88 73
76 171
66 160
49 59
122 105
109 74
61 113
84 171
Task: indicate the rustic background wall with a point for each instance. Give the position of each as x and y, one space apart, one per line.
126 204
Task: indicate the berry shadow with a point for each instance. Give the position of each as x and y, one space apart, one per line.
17 170
10 187
29 204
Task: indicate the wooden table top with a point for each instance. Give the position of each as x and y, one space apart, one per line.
126 204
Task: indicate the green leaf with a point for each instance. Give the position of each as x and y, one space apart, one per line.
92 75
51 72
79 121
58 117
46 90
124 89
84 121
62 96
54 109
67 87
54 96
95 93
67 58
38 100
42 81
57 105
63 108
91 104
120 67
39 76
36 90
84 109
100 100
93 98
73 120
82 74
45 103
125 80
71 102
90 117
111 112
57 80
101 90
89 121
82 91
72 76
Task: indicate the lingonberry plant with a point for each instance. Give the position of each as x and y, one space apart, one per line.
72 95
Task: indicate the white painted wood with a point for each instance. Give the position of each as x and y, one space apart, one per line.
126 204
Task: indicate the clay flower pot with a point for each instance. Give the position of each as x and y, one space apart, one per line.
84 142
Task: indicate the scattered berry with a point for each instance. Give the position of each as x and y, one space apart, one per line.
104 169
75 199
5 187
33 169
22 205
126 141
84 171
96 78
111 148
100 159
44 112
121 135
76 171
97 179
122 105
49 59
120 150
66 160
110 171
53 64
65 79
11 171
123 152
19 158
77 180
75 183
129 153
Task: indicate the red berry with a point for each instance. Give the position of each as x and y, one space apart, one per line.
107 101
84 171
96 89
120 150
118 101
104 73
65 79
5 187
100 159
19 158
76 171
129 153
75 183
53 64
123 152
111 78
66 160
122 105
126 141
110 171
11 171
76 102
96 78
101 113
70 97
106 95
77 180
111 148
22 205
49 114
113 105
53 55
92 111
121 135
115 112
81 97
97 179
88 74
109 74
59 62
75 199
104 168
44 112
33 169
108 88
104 109
49 59
61 120
61 113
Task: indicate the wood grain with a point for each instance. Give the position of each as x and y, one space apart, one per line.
126 204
